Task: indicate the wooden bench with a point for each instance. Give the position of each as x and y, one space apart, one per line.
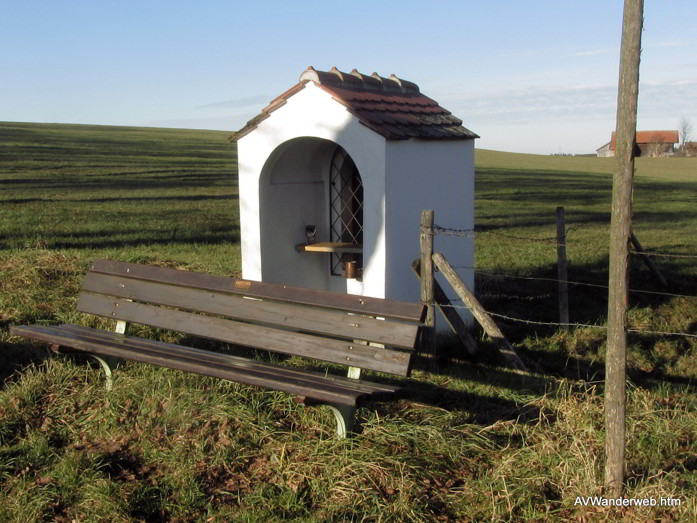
355 331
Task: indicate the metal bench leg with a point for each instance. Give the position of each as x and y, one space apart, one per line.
103 362
107 370
345 416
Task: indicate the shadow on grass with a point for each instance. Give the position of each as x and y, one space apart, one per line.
210 238
131 237
578 355
483 409
140 199
533 295
592 370
14 357
120 185
121 179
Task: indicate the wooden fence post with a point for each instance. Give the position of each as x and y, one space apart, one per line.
562 275
428 338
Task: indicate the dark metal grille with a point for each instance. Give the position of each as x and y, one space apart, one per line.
346 208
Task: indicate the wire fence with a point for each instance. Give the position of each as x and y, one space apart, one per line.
664 254
553 241
575 325
569 282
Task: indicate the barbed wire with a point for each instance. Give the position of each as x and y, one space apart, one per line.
570 282
470 233
551 240
575 325
648 228
447 231
664 254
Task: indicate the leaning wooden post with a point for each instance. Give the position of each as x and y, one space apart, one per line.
561 270
478 312
449 313
620 227
647 260
428 338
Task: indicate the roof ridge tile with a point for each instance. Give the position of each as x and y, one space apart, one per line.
391 106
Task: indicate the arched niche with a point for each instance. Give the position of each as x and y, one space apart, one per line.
303 183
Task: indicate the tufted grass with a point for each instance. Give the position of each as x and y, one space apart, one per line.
472 442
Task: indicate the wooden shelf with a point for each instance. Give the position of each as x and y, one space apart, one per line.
330 247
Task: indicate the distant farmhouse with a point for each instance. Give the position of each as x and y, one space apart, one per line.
649 143
605 151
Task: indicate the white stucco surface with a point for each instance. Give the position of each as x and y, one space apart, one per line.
284 167
435 175
276 162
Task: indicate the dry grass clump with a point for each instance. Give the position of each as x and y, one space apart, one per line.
36 284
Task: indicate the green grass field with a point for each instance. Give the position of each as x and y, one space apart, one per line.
472 442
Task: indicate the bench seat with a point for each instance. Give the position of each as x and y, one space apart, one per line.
299 382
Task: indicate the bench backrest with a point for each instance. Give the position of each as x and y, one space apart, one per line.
357 331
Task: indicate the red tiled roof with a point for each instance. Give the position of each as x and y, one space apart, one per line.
392 107
647 137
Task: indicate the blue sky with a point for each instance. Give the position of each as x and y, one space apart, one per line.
535 76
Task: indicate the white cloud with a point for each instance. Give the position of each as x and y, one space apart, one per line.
570 103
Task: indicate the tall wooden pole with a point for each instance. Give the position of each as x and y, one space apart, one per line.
620 228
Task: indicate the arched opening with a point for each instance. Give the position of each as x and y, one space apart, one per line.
310 184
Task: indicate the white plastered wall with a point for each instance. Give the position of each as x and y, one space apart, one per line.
428 175
277 178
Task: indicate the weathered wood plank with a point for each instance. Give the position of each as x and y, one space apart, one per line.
478 312
216 358
336 351
451 316
330 247
331 322
348 302
131 350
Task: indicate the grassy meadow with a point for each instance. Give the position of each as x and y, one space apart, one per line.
471 442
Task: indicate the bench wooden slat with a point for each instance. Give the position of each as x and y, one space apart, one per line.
336 351
131 348
217 358
331 322
359 304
